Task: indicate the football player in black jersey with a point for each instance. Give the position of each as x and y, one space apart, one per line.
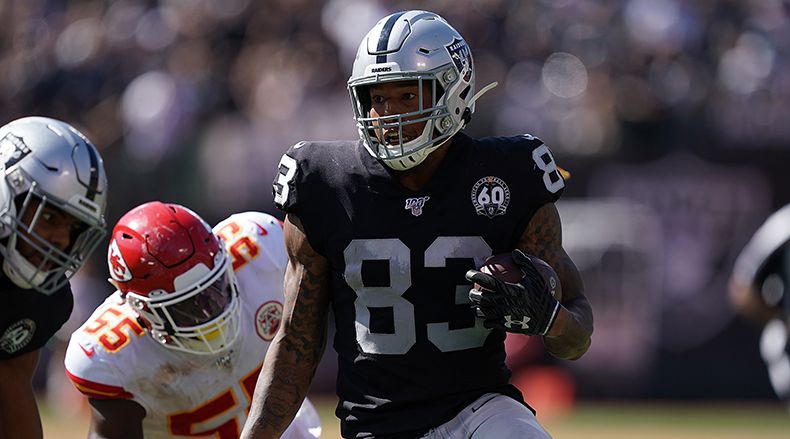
758 290
389 229
52 200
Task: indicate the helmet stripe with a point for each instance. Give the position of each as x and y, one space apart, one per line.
384 37
93 185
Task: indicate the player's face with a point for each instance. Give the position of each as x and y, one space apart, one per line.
204 306
53 226
395 98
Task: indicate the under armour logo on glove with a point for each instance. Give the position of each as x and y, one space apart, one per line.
509 322
510 306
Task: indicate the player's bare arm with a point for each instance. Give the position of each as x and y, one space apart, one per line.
297 348
18 410
570 336
115 419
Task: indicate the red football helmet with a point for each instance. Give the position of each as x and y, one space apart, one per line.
176 274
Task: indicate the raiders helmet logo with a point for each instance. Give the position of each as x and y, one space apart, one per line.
462 58
119 271
490 196
12 150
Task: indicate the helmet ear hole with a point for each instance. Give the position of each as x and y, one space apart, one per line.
465 92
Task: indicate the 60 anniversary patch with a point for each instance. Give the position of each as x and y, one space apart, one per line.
490 196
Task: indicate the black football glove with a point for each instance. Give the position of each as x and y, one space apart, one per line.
526 307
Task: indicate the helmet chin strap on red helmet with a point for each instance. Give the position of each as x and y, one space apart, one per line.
142 322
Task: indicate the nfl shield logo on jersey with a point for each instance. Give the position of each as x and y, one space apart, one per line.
416 204
225 362
490 196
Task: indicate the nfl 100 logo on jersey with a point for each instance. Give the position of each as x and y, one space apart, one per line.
490 196
415 205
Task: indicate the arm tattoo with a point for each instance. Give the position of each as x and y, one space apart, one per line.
543 238
297 348
310 306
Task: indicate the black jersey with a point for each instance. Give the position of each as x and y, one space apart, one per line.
411 354
28 319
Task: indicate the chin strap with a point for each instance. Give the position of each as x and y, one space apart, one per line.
468 111
481 92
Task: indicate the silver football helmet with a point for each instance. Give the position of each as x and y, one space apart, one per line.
48 166
413 46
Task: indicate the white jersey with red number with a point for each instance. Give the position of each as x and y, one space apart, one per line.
187 395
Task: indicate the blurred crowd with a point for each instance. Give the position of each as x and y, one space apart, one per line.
195 99
194 102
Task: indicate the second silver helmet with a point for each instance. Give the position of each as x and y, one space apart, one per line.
48 166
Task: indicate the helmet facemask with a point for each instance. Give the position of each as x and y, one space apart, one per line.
439 123
201 316
50 267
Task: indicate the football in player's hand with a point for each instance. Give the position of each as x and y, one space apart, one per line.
503 268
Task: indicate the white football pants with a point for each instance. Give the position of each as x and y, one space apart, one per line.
492 416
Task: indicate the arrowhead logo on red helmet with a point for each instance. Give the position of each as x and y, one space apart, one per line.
118 268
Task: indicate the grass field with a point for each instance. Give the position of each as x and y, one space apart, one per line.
717 420
586 420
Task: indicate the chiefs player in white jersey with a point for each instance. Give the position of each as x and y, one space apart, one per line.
176 350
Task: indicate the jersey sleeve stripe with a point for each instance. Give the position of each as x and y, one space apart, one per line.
98 391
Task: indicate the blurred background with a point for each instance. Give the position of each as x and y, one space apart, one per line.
673 118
